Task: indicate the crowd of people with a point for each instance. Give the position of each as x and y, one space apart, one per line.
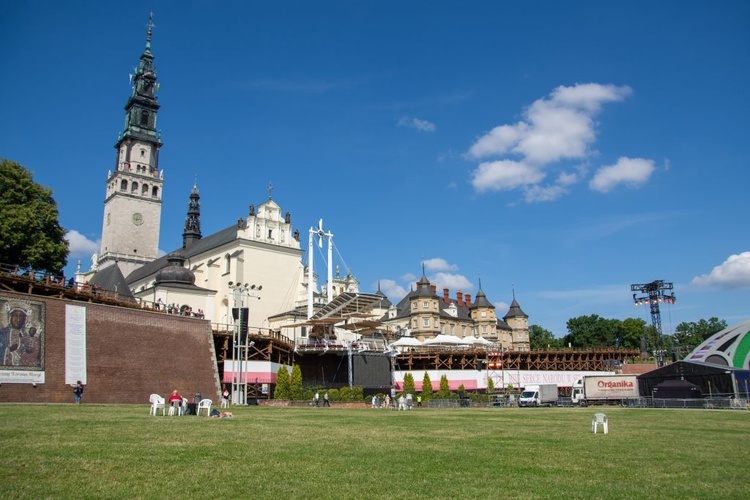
177 309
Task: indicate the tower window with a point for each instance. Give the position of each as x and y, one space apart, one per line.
134 187
144 117
144 189
270 234
143 153
155 192
123 185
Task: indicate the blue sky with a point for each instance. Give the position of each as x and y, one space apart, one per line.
564 149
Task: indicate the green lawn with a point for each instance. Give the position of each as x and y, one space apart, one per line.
102 451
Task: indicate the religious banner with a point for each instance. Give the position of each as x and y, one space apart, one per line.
75 344
22 327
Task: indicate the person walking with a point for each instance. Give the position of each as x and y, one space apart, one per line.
316 399
325 400
78 391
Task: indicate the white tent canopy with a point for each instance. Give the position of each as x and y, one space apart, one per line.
447 340
481 341
407 342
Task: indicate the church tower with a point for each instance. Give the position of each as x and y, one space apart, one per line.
192 232
132 206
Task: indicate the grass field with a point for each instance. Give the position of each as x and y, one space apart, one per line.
100 451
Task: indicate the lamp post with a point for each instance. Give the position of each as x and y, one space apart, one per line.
240 345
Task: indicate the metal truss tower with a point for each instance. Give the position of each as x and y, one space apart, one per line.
655 293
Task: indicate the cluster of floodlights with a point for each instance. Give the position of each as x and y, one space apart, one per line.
240 286
643 301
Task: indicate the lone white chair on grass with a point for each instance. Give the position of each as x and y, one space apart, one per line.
204 404
599 419
157 402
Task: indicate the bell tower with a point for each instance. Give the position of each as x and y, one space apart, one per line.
132 205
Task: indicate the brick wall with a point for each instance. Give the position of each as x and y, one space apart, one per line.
131 353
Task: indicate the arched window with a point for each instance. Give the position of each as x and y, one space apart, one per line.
227 263
155 192
123 185
144 117
134 187
144 189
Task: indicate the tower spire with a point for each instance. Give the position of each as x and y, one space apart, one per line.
150 27
192 232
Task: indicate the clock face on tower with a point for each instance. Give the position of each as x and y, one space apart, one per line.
137 219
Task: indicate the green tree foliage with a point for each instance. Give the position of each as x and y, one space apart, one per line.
490 385
409 384
426 387
30 233
295 386
689 335
282 384
543 339
630 332
445 391
591 331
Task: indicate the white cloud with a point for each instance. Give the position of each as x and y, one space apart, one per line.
451 280
556 128
536 193
409 277
392 290
501 308
438 264
504 175
632 172
416 123
560 126
732 273
80 246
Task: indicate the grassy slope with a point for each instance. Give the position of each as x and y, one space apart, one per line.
120 451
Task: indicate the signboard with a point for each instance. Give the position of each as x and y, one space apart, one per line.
22 341
75 344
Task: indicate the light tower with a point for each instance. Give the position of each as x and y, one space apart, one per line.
656 292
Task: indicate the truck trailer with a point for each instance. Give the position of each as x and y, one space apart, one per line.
605 389
538 395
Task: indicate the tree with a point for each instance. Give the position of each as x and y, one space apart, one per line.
282 384
30 233
409 384
591 331
543 339
445 391
426 387
490 385
630 332
689 335
295 386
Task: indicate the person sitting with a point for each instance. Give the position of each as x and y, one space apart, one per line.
175 399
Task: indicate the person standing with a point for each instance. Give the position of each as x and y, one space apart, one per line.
316 398
225 398
325 400
78 391
419 401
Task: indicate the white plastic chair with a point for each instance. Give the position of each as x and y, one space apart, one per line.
157 402
599 419
183 408
177 406
204 404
